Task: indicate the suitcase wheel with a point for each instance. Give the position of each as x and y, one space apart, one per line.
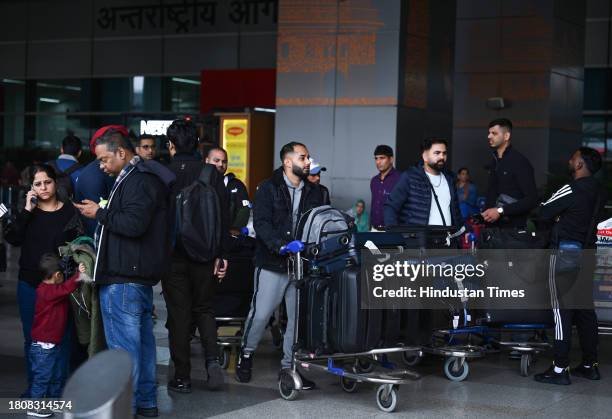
349 385
287 385
456 369
364 365
224 357
526 361
411 359
386 398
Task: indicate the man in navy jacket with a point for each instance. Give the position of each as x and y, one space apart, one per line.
413 199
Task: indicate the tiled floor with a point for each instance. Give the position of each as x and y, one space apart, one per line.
493 389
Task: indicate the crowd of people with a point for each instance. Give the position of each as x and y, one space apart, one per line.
126 201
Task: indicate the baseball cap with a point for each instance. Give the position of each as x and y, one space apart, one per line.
316 168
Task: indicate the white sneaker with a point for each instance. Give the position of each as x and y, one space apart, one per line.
40 413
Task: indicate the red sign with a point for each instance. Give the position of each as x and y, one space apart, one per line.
235 131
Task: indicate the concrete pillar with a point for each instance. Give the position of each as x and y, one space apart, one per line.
531 53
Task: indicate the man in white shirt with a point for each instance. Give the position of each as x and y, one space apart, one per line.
425 194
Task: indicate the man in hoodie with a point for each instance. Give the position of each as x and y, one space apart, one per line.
279 203
238 197
132 256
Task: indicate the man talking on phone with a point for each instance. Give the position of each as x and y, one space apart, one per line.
190 289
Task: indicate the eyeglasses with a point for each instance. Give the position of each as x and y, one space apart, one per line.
148 147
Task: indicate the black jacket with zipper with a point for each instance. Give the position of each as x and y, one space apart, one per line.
134 241
512 175
272 218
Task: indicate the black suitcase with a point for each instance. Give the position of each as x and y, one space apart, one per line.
314 314
351 329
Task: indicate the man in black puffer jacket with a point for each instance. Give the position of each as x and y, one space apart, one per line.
279 203
413 199
132 256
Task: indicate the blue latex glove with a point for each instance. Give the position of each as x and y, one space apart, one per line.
292 247
244 231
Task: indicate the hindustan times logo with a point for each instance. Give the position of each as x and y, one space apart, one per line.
412 271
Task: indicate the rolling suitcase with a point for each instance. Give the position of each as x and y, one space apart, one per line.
351 329
314 308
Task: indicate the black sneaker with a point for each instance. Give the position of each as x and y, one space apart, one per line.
180 385
591 373
147 412
551 377
40 413
215 375
244 367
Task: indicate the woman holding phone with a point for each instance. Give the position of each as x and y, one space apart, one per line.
41 227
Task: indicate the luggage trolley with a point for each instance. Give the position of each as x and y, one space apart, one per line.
232 304
290 383
456 366
528 349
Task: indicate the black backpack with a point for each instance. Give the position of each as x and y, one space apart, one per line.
65 190
198 217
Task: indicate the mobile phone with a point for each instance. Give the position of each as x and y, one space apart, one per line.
34 199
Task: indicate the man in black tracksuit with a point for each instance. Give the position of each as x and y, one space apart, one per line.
575 208
279 203
512 192
190 289
237 195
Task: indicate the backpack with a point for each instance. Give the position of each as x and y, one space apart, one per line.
65 189
324 230
198 217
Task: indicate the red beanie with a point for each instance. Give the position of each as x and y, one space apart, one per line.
100 132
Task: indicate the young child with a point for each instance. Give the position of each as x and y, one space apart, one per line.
50 317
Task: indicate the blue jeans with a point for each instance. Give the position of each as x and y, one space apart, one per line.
46 371
128 325
26 297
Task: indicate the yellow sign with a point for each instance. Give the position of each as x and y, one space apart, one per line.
235 141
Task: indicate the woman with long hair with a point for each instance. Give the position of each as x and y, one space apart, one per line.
44 224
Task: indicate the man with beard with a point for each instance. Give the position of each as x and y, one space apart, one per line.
425 194
575 210
512 192
279 203
237 194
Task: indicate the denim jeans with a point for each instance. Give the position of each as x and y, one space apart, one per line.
128 325
46 371
26 297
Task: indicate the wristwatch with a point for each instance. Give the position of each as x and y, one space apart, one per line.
500 210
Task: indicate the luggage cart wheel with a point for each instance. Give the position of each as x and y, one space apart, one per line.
386 398
526 360
287 385
456 369
224 357
411 359
348 385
